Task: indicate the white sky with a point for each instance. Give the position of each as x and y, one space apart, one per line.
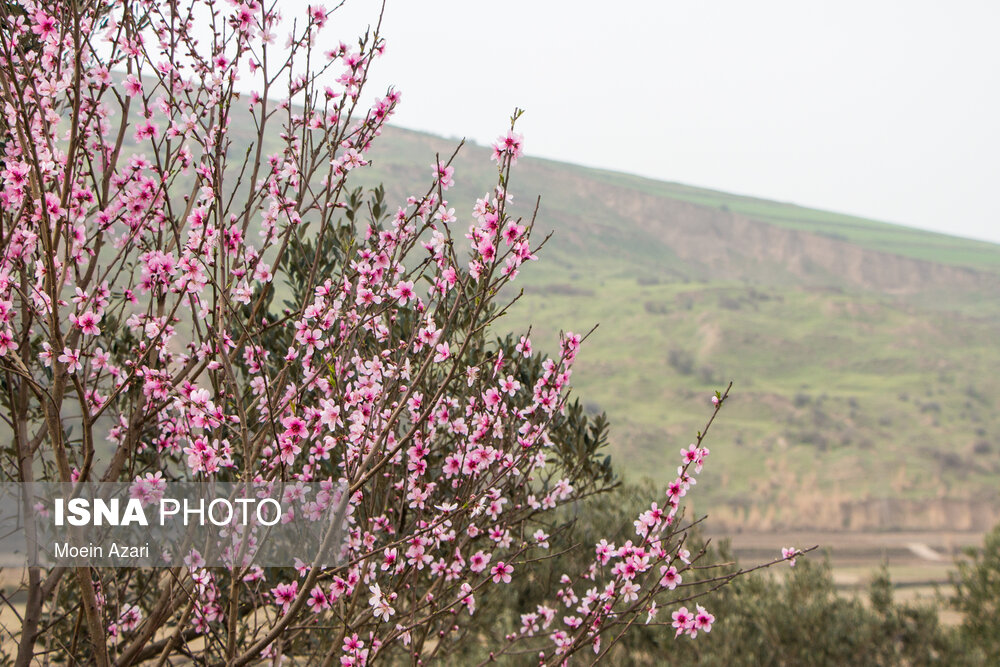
890 110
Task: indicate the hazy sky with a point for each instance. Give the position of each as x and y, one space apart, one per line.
890 110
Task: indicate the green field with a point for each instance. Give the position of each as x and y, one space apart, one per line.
837 398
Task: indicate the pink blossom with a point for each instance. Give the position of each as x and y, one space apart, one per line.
501 572
703 620
380 605
478 561
133 86
402 292
509 385
87 323
524 346
683 621
510 145
44 25
72 360
284 594
148 489
669 578
443 351
7 342
318 14
444 175
129 618
445 215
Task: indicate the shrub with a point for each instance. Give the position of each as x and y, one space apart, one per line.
977 597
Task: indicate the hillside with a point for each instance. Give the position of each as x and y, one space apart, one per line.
861 352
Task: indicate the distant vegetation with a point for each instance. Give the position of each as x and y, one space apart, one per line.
790 616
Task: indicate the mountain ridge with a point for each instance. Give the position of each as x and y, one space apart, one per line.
883 269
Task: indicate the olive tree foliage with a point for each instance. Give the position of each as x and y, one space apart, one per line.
183 297
977 597
793 616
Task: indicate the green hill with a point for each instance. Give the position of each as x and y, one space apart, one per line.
864 354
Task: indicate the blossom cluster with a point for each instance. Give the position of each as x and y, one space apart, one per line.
148 231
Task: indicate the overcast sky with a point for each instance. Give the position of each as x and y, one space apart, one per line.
889 110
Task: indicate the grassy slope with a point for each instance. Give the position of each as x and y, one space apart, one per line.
881 236
845 393
829 389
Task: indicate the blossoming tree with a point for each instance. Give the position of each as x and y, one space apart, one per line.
146 241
